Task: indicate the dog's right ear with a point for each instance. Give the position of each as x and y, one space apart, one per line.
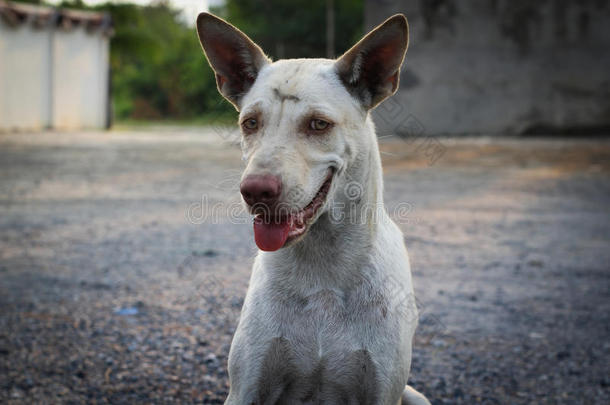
236 60
370 69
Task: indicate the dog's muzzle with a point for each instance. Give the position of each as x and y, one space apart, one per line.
274 224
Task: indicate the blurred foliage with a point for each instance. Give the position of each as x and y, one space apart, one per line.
297 28
158 68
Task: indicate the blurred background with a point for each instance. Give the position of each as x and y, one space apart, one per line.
125 252
150 52
503 67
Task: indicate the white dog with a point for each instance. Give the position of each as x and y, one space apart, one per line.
329 315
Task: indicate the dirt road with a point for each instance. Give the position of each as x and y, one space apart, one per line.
124 259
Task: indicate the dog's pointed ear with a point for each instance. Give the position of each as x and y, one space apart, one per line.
236 60
370 70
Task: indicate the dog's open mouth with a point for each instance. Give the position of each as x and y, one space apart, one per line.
272 232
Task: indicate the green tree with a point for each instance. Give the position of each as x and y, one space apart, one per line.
158 69
296 29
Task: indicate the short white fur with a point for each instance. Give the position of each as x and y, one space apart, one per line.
324 319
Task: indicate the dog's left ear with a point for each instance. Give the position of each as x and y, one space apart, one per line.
236 60
370 70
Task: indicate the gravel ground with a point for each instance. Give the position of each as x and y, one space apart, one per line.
125 259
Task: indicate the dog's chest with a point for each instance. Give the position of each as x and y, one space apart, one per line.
290 375
321 351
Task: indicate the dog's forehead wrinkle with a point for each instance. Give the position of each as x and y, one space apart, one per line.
312 85
284 96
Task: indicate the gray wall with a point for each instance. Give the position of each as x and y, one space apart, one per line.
499 66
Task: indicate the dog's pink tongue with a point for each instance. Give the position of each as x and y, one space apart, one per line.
270 236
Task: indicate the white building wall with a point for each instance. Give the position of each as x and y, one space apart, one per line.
25 101
52 78
80 85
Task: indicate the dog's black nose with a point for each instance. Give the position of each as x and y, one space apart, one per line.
261 189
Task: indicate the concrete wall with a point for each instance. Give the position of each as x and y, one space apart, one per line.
25 77
80 79
499 66
52 78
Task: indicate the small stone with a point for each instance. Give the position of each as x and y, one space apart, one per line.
16 393
211 361
127 311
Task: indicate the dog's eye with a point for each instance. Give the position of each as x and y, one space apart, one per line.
250 124
318 124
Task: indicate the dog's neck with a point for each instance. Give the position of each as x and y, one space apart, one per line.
336 249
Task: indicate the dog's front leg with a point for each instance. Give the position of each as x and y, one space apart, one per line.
412 397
